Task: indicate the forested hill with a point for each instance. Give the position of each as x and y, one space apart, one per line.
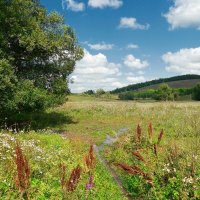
184 81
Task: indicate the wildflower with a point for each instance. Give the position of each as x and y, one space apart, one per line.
150 130
166 168
23 172
134 170
155 150
90 185
188 180
160 136
195 157
174 169
89 160
139 133
138 156
72 183
74 179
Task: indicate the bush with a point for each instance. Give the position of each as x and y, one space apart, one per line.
89 92
100 92
126 96
29 98
59 87
196 92
164 93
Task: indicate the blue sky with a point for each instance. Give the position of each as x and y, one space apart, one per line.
131 41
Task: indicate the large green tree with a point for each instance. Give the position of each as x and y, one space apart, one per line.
39 45
38 52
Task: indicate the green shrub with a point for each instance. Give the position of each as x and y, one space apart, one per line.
100 92
164 93
196 92
89 92
126 96
28 98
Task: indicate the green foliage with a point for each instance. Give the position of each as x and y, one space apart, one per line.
196 92
37 50
184 91
164 93
59 87
146 94
100 92
7 87
126 96
154 82
107 95
89 92
45 152
39 45
29 98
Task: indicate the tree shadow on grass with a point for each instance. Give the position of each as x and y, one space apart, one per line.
38 121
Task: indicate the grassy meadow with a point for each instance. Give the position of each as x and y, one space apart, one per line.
157 157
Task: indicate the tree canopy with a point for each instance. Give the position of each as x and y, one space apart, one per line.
37 46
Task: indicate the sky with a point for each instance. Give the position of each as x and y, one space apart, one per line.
131 41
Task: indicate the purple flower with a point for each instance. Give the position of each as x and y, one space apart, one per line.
91 180
90 185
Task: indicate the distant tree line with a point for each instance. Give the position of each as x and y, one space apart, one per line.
163 93
154 82
99 93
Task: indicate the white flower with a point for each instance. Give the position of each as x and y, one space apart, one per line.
188 180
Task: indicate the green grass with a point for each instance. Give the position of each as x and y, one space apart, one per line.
45 152
64 134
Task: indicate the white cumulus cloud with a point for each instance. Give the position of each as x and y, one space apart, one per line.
93 72
132 46
184 61
135 63
136 79
105 3
183 14
100 46
117 84
130 22
73 5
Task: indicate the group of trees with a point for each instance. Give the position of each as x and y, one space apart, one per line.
99 93
154 82
38 51
163 93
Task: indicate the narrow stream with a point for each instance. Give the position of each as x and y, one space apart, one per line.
108 142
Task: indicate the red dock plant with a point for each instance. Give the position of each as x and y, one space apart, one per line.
70 184
138 156
74 179
160 136
90 160
139 133
150 131
23 172
134 170
155 149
